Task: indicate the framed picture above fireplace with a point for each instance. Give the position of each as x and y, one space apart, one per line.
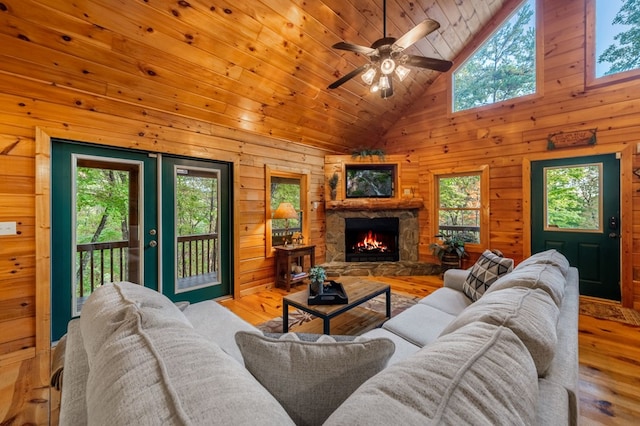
370 180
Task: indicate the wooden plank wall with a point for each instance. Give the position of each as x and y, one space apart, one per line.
508 135
26 104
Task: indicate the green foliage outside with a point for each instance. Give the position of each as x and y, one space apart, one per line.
197 205
102 211
459 206
573 197
102 205
624 54
503 68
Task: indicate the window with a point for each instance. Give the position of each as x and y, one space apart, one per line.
613 42
504 67
286 187
572 198
462 206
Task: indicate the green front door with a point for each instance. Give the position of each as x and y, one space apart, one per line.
115 218
575 208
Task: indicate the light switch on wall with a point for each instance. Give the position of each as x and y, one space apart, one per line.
7 228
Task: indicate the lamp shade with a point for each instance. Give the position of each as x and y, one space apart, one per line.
285 211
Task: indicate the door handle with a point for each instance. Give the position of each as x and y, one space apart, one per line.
154 243
613 235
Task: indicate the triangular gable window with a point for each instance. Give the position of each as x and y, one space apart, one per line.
504 67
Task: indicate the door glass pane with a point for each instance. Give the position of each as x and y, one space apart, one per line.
573 197
197 228
106 241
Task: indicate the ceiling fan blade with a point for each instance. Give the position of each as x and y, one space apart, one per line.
354 48
429 63
416 33
349 76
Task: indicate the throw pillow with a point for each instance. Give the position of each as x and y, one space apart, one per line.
488 268
311 379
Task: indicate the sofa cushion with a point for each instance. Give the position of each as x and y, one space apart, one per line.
153 370
404 348
218 324
311 379
543 276
447 300
487 269
420 324
551 257
104 311
530 314
480 374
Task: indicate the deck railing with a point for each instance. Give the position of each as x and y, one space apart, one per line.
197 255
470 234
100 263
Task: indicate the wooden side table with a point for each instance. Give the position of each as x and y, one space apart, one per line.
284 257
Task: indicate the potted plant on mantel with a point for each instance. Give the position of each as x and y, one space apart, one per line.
450 251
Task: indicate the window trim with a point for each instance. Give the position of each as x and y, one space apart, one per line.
483 171
303 176
590 79
481 38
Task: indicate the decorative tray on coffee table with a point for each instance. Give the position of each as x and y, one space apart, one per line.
333 294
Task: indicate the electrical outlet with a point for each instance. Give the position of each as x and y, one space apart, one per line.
7 228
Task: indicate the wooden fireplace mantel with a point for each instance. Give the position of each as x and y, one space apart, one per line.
376 204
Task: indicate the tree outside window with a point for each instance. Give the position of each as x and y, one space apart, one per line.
503 68
617 35
573 197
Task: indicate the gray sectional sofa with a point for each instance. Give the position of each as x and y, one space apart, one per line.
510 357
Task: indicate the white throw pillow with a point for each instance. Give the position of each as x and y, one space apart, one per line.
311 379
487 269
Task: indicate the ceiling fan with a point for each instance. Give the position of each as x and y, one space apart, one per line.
386 55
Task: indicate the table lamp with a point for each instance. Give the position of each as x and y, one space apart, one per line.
285 211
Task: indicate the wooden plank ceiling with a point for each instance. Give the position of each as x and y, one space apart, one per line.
259 65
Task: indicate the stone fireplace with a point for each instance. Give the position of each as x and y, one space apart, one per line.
407 233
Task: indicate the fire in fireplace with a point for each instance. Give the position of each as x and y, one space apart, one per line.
371 240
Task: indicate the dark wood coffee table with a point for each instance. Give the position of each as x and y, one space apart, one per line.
358 290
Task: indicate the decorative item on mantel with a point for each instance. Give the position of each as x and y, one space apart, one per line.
450 250
367 152
333 186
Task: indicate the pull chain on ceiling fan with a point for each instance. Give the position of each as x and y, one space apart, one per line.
386 56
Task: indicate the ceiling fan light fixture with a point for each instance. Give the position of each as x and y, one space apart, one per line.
368 76
384 82
374 88
402 72
387 66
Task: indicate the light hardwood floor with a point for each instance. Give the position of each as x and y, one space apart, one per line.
609 352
